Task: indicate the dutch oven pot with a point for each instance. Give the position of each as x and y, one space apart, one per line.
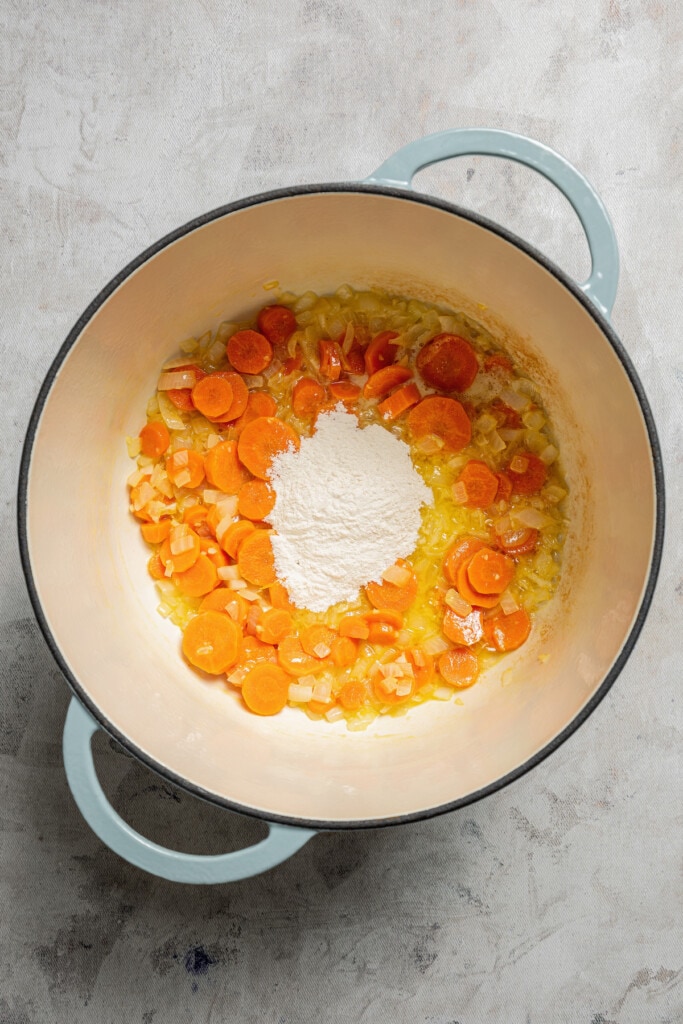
86 565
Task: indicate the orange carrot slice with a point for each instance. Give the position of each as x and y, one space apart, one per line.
212 396
384 380
380 352
155 567
240 397
490 572
234 535
263 439
467 591
527 473
466 630
199 579
353 695
330 359
275 625
255 499
460 552
343 651
212 551
212 642
317 640
504 487
507 632
182 560
400 400
154 439
223 468
264 689
154 533
447 363
249 352
513 542
458 667
344 391
293 658
258 404
222 599
185 468
277 323
256 560
308 397
390 595
182 397
355 627
279 598
480 484
255 650
444 417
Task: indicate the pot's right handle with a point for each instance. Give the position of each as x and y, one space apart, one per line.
399 169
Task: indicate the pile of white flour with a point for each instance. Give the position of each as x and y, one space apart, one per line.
348 505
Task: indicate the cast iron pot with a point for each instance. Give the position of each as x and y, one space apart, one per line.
86 565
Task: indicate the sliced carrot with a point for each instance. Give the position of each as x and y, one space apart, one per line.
154 439
154 533
212 642
308 397
279 598
387 615
467 591
448 363
343 651
294 660
195 516
458 667
382 633
465 630
255 650
400 400
156 569
344 391
389 595
254 616
490 572
380 352
222 599
423 666
264 689
460 552
182 397
504 491
480 483
385 379
199 579
182 561
256 560
355 627
223 467
135 497
235 534
263 439
291 364
330 359
212 551
528 474
317 639
353 361
185 468
275 625
240 397
249 352
386 696
507 632
513 542
353 695
258 404
444 417
212 520
212 396
255 499
496 362
277 323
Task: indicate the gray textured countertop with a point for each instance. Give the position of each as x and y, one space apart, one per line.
558 899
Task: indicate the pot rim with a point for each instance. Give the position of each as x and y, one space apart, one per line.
508 236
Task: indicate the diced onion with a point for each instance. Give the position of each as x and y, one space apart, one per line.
309 680
321 691
173 364
519 464
135 477
419 658
236 584
457 603
549 454
534 420
496 442
530 517
253 380
459 493
237 677
554 494
509 436
321 650
189 345
211 497
248 594
164 609
229 572
404 688
514 400
227 506
223 525
180 379
145 493
430 444
435 645
389 684
299 694
133 446
179 545
502 525
404 637
397 574
169 413
348 339
442 693
486 423
508 603
334 714
182 479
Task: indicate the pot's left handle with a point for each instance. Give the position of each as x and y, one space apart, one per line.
281 842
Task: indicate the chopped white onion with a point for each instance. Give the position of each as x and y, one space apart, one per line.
486 423
508 603
519 464
173 364
404 637
189 345
309 680
430 444
222 527
179 545
253 380
227 507
496 442
183 478
389 684
322 691
299 694
457 603
509 436
549 454
404 688
530 517
237 677
334 714
419 658
435 645
534 420
211 497
348 339
248 594
179 379
514 400
135 477
234 584
554 494
502 525
145 493
229 572
459 493
442 693
212 440
170 415
321 650
133 446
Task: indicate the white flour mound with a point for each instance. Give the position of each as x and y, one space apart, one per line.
348 505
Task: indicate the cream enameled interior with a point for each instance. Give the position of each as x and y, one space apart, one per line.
89 562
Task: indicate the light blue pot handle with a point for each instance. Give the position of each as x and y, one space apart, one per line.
281 842
399 169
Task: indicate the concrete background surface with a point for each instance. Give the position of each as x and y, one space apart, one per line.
556 900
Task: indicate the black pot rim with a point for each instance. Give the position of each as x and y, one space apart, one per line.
562 278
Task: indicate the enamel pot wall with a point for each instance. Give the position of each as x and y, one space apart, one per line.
86 565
